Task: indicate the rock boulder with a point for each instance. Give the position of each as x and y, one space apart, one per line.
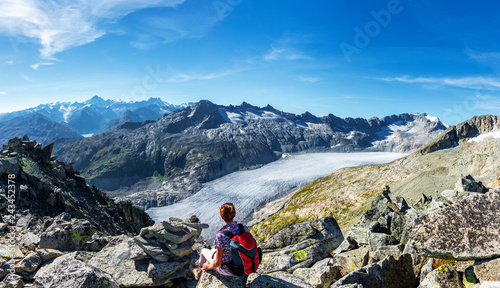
65 272
487 270
211 279
327 237
468 230
445 276
67 236
388 273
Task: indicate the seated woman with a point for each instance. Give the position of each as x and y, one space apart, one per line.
218 257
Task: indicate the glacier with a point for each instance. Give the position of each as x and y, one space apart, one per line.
250 189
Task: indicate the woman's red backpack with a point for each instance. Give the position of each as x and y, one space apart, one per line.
246 255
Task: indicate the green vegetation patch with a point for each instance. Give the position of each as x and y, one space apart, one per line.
344 194
81 238
299 255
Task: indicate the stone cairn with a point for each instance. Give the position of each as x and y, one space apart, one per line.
159 256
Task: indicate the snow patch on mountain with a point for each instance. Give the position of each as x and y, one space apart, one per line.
66 111
244 116
390 135
432 118
485 137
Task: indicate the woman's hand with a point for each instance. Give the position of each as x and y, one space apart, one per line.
207 266
217 263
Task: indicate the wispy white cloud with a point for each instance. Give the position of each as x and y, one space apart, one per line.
59 24
10 62
3 93
308 79
488 57
186 77
285 53
185 22
488 102
37 65
25 77
472 82
289 47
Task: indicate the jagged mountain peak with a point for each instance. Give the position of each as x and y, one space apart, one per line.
98 101
462 132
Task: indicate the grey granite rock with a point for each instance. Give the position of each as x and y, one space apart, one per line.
468 230
388 273
445 276
67 272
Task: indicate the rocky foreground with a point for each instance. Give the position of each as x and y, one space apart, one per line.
67 234
448 241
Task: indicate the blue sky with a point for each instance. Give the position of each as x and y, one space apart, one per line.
348 58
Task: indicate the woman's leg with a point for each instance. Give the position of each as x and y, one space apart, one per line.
207 255
222 272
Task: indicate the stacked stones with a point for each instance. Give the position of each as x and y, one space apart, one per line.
159 256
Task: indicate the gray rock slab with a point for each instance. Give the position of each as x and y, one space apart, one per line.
212 279
10 252
468 230
352 260
67 236
278 280
48 254
388 273
319 277
65 272
162 270
487 270
115 259
29 263
445 276
377 240
30 240
307 252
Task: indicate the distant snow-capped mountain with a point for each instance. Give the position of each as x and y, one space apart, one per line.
90 117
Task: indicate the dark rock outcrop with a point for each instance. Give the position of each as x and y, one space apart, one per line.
50 188
487 270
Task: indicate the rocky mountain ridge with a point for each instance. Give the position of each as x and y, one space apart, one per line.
38 127
49 189
47 122
456 134
205 141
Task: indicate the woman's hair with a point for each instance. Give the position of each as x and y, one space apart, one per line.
227 212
